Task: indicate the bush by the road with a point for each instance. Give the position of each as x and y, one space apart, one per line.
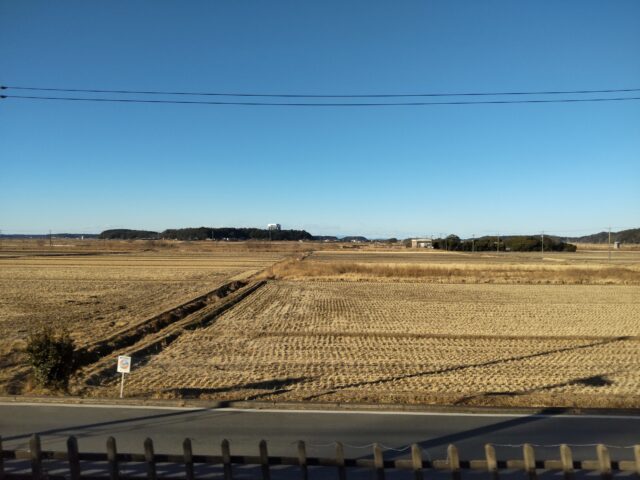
51 356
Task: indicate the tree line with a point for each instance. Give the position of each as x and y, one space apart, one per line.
519 243
206 233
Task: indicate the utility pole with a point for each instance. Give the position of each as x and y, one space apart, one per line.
609 244
498 244
542 246
473 243
50 242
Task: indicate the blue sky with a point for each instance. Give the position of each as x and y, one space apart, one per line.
390 171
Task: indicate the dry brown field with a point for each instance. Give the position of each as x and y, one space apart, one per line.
95 294
586 267
343 324
411 256
409 342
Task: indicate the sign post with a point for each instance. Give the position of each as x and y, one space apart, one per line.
124 366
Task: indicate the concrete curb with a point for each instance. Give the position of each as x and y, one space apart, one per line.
301 406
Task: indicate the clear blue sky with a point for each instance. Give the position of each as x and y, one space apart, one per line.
401 171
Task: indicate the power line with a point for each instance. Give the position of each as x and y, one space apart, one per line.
277 95
305 104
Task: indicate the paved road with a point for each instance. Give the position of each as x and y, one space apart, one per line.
244 428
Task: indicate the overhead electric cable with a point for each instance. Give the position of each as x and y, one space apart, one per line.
286 104
277 95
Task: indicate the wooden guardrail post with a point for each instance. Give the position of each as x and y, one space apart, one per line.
226 459
454 462
342 471
38 461
416 461
73 457
149 458
112 458
492 461
36 457
302 460
604 461
264 460
1 460
187 454
529 461
378 462
566 457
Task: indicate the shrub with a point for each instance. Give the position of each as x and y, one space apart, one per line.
51 356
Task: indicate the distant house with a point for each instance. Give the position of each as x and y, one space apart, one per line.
274 227
356 239
616 245
421 243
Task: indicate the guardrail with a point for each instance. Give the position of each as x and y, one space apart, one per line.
111 464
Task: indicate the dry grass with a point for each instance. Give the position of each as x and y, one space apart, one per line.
370 324
457 272
605 246
94 296
30 247
411 343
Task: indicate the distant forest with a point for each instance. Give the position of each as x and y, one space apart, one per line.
520 243
126 234
230 233
205 233
624 236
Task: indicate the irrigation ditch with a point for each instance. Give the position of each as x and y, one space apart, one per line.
95 361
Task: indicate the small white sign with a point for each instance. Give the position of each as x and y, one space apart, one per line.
124 364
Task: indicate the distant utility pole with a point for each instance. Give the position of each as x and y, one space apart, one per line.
498 244
609 244
473 243
542 246
50 242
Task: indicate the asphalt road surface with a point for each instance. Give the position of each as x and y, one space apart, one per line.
357 430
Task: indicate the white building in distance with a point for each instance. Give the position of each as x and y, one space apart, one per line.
421 243
274 226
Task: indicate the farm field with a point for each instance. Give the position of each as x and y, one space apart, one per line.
410 342
589 267
93 296
332 323
628 257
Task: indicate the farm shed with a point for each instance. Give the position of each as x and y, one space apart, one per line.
421 243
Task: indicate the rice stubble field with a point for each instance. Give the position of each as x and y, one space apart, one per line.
412 340
351 325
93 296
